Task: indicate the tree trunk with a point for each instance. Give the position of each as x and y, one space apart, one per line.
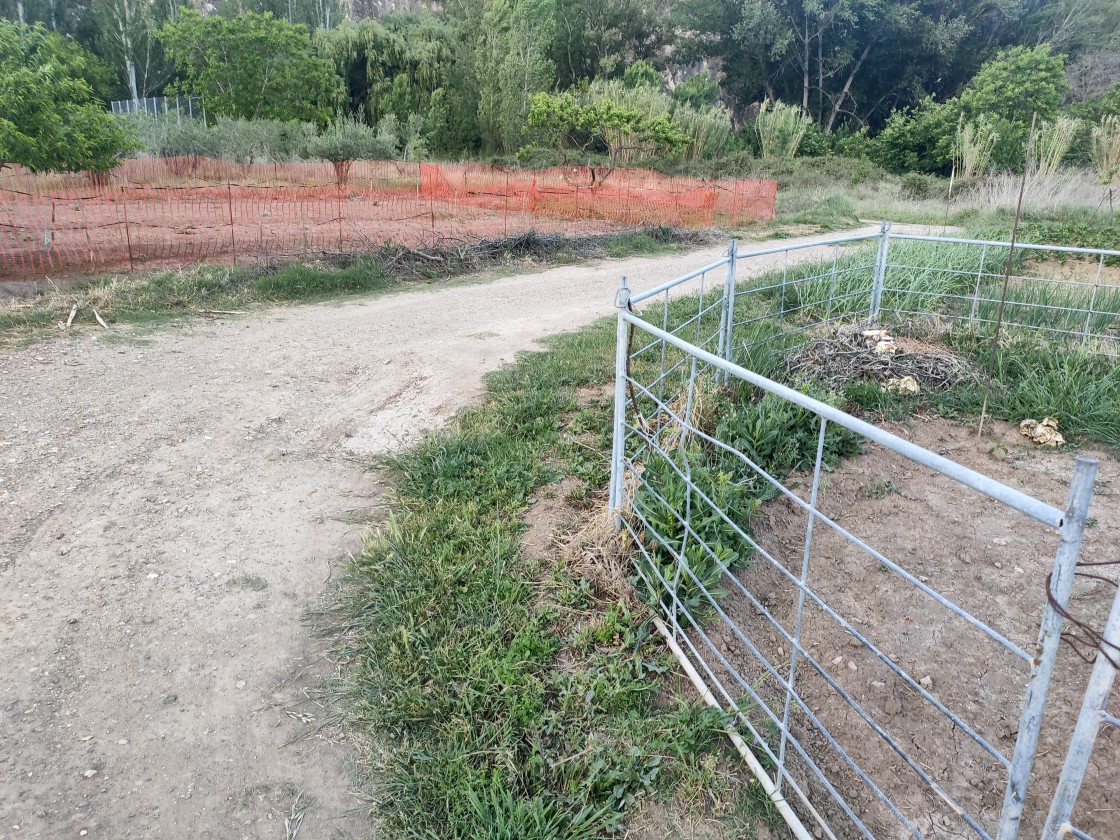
19 11
847 87
805 69
820 74
130 66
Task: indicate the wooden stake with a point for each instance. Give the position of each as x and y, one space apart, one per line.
100 320
1006 277
70 320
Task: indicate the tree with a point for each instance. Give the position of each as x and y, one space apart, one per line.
126 32
347 140
1017 83
599 38
514 51
602 127
251 66
49 118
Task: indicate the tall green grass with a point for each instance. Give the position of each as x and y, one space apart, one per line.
499 698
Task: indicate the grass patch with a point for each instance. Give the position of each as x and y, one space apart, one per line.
156 298
496 695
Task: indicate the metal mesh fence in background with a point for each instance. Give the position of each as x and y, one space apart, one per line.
157 213
175 107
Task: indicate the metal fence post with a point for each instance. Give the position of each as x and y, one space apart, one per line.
727 316
618 450
1060 583
879 277
1085 733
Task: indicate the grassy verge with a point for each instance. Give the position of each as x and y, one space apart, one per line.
504 695
156 298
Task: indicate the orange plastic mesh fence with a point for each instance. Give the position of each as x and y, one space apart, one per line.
161 213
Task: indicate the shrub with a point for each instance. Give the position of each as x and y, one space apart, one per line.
917 185
1051 145
641 74
780 128
256 141
1106 148
972 148
699 91
347 140
708 129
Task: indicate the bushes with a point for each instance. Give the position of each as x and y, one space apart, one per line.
188 141
1106 148
347 140
780 128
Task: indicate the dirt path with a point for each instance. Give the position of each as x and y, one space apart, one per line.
171 503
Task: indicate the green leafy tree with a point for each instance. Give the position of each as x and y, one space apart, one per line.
699 91
251 66
49 117
1017 83
404 64
600 38
347 140
642 74
603 127
517 35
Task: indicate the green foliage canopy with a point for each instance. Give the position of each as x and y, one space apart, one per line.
49 117
251 66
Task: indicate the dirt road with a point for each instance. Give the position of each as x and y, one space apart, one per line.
171 502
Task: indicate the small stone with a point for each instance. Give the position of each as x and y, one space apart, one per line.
83 833
926 682
878 683
240 684
122 741
170 699
999 541
839 660
89 774
851 665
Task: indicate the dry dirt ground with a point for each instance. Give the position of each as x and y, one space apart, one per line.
989 560
172 501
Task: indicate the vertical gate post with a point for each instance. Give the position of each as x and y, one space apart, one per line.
1060 583
727 315
618 450
880 275
1085 733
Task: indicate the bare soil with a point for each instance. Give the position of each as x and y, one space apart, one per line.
172 501
989 560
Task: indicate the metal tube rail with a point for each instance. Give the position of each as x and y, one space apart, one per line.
1044 513
913 237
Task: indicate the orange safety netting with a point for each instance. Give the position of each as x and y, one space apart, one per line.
159 213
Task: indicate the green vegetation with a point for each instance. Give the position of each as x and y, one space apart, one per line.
909 88
49 117
155 298
252 67
140 298
502 695
1034 374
